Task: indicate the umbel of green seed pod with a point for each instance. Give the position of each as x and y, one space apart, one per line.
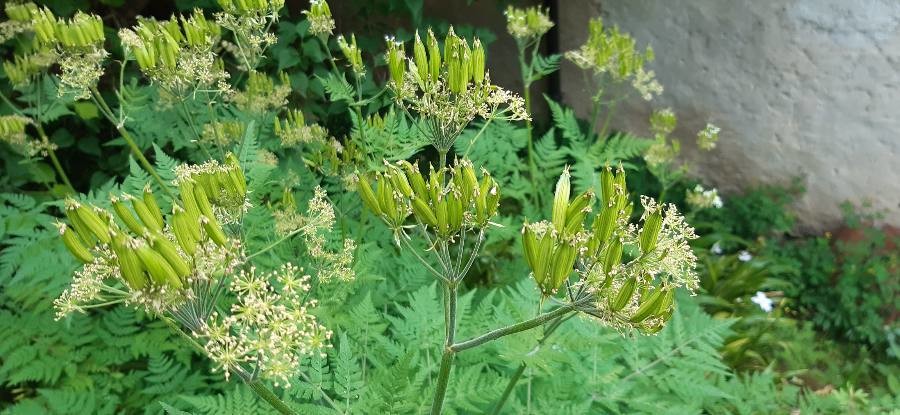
21 12
81 31
45 26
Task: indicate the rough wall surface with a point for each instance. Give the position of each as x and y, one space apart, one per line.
801 88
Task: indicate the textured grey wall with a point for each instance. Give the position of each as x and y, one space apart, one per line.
805 88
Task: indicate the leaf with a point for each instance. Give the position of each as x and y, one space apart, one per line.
337 87
543 66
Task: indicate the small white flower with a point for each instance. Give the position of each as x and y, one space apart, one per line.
745 256
716 249
764 302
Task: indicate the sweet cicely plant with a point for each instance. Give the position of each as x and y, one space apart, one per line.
620 273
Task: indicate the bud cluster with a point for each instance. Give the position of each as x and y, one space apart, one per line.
76 44
222 134
708 136
352 54
319 16
293 130
450 87
613 53
449 201
700 198
176 53
527 24
262 94
249 22
626 274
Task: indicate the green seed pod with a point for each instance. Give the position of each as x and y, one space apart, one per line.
563 263
420 59
203 203
368 196
455 211
665 305
561 201
624 295
650 232
213 230
542 265
74 245
186 230
161 273
130 266
606 186
396 60
478 62
98 227
434 58
189 202
143 212
77 224
399 180
441 212
529 246
648 306
152 206
613 255
125 215
415 179
236 172
423 213
577 211
168 251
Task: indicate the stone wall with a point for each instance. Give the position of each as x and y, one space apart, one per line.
801 88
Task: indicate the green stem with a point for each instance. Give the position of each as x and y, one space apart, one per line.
266 394
610 107
514 328
59 169
595 113
135 150
447 359
268 247
511 385
442 158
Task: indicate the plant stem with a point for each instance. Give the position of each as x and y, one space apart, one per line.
447 359
266 394
442 158
521 369
59 170
514 328
135 150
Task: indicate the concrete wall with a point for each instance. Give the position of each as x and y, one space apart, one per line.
805 88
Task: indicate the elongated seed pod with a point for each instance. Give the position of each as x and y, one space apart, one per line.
92 221
647 307
161 273
529 245
189 203
665 305
79 226
650 232
398 179
130 266
213 230
622 298
561 201
415 179
613 255
74 245
542 265
168 251
186 230
423 212
128 218
368 196
563 261
153 206
143 212
203 202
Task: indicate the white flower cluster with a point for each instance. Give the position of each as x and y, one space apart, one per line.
700 198
269 327
708 136
527 24
313 227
